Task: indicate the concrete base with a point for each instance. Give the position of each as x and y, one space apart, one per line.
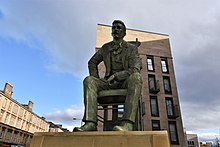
101 139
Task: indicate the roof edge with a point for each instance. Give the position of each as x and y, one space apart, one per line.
135 30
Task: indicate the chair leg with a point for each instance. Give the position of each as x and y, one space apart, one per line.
105 118
114 113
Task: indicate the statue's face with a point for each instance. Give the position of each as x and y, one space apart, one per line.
118 31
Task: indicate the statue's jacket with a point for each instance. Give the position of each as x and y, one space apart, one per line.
130 60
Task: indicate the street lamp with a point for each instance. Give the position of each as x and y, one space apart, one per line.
77 119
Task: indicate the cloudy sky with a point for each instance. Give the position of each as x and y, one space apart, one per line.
45 46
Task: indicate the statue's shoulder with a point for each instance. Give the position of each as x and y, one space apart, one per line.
134 44
107 45
130 45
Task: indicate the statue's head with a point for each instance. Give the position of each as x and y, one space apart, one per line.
118 29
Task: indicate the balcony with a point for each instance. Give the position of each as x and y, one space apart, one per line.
176 112
155 89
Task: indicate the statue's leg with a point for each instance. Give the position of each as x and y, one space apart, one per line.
91 86
134 86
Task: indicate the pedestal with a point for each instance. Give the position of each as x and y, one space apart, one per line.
101 139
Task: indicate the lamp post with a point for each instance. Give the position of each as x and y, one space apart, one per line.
77 119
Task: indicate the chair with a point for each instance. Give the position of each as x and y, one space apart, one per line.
111 100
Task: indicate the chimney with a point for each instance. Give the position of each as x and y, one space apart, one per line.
30 105
8 89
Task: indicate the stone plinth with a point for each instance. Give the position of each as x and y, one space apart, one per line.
101 139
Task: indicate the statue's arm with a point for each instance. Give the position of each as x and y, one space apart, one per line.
93 64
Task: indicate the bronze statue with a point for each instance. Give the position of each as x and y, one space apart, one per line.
123 66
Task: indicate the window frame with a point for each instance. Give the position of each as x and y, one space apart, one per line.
152 63
155 121
172 107
175 133
155 88
151 106
166 65
169 84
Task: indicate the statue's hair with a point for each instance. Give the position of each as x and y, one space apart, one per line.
119 21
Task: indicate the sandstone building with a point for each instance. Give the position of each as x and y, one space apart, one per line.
17 121
160 108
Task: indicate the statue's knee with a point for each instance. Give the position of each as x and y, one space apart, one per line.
88 80
135 78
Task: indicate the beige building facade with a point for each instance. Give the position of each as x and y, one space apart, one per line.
159 103
17 121
192 140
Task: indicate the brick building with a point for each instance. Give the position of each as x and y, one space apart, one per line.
159 102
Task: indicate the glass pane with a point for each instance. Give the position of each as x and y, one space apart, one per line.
167 85
150 64
173 132
164 65
155 125
169 107
151 83
154 106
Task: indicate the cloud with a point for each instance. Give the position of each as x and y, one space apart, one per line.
66 116
206 135
198 74
54 28
200 117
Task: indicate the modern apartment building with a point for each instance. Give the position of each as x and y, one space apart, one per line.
17 121
160 108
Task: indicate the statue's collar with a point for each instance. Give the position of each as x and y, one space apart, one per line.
123 43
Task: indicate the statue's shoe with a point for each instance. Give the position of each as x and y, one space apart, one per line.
125 127
89 126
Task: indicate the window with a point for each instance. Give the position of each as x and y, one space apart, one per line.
154 106
8 135
166 83
150 63
12 120
7 118
153 88
15 109
21 112
15 137
1 113
25 138
5 103
191 143
9 107
173 132
164 65
18 124
155 125
25 114
169 106
20 137
23 123
3 132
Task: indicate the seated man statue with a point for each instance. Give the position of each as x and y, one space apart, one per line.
123 64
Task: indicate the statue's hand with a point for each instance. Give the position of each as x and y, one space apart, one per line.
103 80
111 79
